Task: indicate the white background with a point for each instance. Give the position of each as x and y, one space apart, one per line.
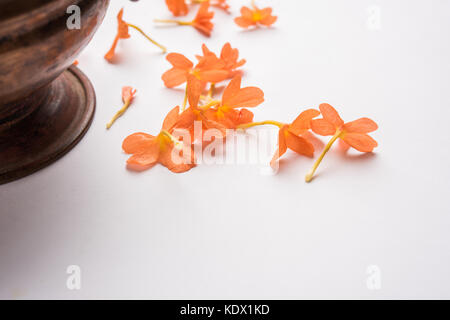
228 231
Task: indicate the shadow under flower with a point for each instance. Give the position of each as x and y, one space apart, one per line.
257 28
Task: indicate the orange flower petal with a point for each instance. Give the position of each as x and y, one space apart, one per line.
214 76
323 127
231 90
222 4
204 28
303 121
178 162
174 77
266 17
211 124
179 61
331 115
344 146
247 13
206 50
282 146
146 159
203 12
299 144
171 119
194 90
240 63
360 141
128 94
228 52
231 119
243 22
109 56
363 125
265 12
248 97
246 19
123 29
228 119
209 62
177 7
202 21
186 119
138 142
268 21
245 116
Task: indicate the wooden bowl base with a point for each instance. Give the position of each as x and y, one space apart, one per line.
45 126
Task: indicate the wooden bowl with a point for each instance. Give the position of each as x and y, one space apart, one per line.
46 104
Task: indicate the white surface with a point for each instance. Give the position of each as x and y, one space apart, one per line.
229 231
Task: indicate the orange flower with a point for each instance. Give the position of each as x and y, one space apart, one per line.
254 17
148 150
123 33
209 69
234 97
128 94
353 133
229 56
202 21
232 118
291 136
195 113
177 7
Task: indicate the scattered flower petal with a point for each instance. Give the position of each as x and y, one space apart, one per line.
128 94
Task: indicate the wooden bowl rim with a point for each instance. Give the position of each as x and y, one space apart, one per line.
22 23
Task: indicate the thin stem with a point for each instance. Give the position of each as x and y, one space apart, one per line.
205 98
310 175
181 23
164 49
211 90
175 141
185 98
210 104
118 114
260 123
168 135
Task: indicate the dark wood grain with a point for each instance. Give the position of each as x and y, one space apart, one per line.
44 110
62 114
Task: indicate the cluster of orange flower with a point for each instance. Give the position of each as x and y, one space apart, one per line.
231 112
203 19
200 108
181 8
